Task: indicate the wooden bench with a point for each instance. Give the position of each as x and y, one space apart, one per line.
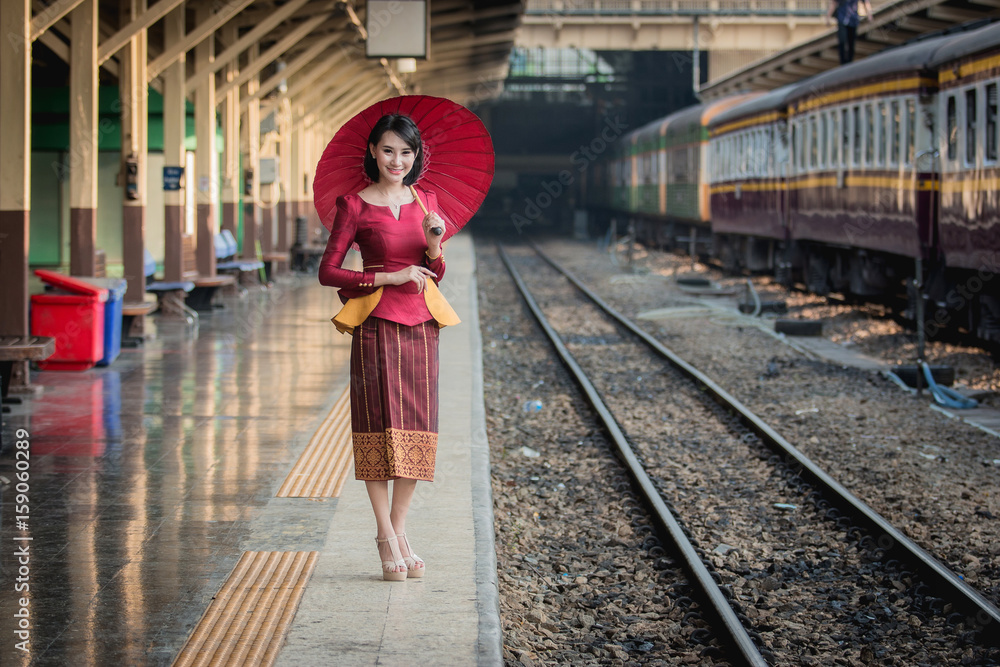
130 314
200 298
21 348
272 261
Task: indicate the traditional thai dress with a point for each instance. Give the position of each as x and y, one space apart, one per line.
394 354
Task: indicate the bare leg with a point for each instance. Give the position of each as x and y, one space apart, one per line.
402 496
378 494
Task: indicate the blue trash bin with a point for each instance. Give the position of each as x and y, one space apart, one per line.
112 315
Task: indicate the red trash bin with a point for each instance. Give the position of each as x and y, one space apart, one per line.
75 320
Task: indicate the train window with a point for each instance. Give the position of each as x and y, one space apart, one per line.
911 131
740 154
813 142
793 138
970 126
856 136
759 153
770 148
869 135
880 136
951 115
845 137
834 139
801 146
729 158
991 123
895 129
824 141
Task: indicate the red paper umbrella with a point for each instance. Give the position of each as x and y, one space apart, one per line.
458 157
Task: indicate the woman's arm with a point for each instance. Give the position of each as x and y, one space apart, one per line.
342 233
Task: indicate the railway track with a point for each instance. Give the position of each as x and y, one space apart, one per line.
810 565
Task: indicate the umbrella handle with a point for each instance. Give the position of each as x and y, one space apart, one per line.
436 230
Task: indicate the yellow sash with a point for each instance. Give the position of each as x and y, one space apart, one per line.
357 310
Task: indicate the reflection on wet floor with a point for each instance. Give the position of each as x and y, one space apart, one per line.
145 475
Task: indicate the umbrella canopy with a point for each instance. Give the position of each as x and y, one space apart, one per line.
458 157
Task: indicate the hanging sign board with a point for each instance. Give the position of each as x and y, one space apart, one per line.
396 29
173 178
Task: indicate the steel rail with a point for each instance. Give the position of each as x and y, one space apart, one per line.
718 604
887 537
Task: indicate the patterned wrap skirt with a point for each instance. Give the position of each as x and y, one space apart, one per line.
394 399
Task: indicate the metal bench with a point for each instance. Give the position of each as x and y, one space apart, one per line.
227 262
200 297
169 295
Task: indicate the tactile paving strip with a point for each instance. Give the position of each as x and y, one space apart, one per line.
247 621
322 468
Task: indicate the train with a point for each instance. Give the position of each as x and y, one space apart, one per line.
877 178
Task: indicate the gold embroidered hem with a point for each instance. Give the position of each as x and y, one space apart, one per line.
394 454
356 311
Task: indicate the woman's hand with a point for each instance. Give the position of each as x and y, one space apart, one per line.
418 275
433 221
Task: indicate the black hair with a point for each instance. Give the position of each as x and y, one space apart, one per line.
404 127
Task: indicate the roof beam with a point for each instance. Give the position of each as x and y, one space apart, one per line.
274 52
110 46
350 105
344 95
291 68
196 36
466 42
246 41
307 79
439 20
352 69
953 14
46 18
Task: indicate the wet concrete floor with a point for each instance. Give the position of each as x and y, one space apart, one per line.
145 477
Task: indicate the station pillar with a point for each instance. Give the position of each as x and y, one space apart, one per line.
133 96
206 157
83 139
232 178
250 136
15 173
174 153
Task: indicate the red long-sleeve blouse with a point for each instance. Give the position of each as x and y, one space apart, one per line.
387 245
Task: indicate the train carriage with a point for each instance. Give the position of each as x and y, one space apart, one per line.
649 178
664 166
968 69
747 176
860 202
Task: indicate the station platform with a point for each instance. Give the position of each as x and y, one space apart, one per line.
195 502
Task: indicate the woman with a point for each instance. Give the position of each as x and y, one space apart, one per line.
394 311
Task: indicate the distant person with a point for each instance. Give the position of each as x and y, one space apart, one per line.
846 13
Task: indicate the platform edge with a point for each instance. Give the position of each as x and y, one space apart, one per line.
490 640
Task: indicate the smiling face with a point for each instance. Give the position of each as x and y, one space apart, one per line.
394 158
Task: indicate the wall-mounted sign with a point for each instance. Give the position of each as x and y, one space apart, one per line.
396 29
173 178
